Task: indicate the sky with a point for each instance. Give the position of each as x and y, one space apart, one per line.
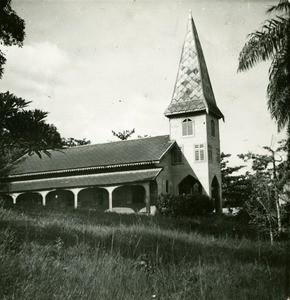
98 66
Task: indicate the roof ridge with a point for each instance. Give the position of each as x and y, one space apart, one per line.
113 142
200 57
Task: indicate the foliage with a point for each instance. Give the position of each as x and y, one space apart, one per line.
236 188
267 183
124 135
72 142
272 163
272 42
23 131
260 190
184 205
143 136
11 29
261 206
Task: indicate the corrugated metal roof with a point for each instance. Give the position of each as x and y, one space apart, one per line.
103 179
129 152
193 91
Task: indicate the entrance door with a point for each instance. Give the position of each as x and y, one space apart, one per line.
190 186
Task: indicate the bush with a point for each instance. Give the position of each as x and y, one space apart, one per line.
184 205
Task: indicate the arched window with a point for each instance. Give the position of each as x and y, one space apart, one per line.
187 127
212 125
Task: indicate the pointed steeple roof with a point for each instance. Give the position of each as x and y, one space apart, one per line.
193 91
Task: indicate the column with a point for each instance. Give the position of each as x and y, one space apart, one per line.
75 192
14 196
110 190
147 197
43 195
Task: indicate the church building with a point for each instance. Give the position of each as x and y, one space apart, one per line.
132 173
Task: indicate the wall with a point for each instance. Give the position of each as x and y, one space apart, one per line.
214 165
197 169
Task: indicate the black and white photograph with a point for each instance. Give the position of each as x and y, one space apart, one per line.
145 149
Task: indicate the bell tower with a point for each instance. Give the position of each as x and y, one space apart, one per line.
194 124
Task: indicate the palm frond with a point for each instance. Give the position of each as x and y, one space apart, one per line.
263 44
282 6
278 90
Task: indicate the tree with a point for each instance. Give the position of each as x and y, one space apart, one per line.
124 135
11 29
236 187
267 184
72 142
261 207
272 42
23 131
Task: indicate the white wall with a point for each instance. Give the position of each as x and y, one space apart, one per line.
204 171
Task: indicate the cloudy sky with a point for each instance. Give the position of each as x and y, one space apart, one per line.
98 66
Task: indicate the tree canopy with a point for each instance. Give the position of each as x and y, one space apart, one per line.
11 30
72 142
236 187
123 135
23 131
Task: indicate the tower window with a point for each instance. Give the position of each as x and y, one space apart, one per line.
187 127
210 152
199 152
176 156
212 126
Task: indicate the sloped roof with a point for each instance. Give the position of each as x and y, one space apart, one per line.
103 179
106 155
193 91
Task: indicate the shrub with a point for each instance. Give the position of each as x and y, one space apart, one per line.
184 205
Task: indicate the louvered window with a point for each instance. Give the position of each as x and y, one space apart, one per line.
187 127
199 152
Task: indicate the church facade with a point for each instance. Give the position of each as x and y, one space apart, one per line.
133 173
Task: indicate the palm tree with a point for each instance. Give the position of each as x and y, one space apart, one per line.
272 42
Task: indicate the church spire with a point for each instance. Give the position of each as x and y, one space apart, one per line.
193 91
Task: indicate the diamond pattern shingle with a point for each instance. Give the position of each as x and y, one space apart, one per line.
193 91
98 155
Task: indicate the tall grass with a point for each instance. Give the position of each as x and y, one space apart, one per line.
47 254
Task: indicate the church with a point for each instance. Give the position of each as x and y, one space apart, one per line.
132 173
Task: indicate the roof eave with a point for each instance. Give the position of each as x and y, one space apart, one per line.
168 148
183 112
83 169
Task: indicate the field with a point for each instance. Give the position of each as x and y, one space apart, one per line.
82 254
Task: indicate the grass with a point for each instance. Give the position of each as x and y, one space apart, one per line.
82 254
